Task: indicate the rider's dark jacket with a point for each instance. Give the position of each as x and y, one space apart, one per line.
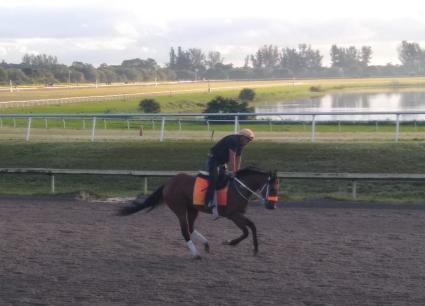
220 151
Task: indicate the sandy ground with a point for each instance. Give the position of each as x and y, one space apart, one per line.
58 252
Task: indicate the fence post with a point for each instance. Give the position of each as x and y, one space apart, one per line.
93 130
27 138
145 185
397 128
236 124
161 138
313 128
354 190
52 183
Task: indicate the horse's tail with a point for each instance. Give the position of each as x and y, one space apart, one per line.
137 205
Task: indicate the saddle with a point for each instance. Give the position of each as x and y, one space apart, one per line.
201 185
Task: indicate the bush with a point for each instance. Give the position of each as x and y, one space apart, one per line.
149 106
247 94
315 89
227 105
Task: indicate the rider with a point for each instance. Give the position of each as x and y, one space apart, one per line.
226 151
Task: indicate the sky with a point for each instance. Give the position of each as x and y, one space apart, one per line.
111 31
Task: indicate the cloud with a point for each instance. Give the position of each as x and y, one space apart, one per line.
105 31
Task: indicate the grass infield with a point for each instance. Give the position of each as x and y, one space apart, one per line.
405 157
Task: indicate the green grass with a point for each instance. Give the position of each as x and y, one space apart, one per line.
189 155
173 101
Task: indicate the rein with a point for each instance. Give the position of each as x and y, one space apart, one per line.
259 196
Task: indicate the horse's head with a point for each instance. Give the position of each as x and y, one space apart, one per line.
271 191
266 182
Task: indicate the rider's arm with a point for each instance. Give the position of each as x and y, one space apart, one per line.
238 163
234 161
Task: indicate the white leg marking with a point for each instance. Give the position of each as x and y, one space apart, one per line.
197 236
192 249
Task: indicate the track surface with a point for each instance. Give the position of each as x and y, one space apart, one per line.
58 252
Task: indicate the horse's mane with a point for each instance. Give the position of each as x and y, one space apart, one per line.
250 170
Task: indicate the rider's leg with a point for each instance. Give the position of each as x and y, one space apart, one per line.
212 180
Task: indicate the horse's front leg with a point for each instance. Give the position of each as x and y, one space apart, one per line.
184 226
194 234
251 225
240 221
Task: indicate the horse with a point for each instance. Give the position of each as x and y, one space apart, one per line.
177 193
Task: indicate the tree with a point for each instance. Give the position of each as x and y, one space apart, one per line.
149 106
213 59
247 94
3 75
305 59
183 60
41 60
87 70
411 56
350 59
366 55
226 105
197 59
267 57
17 76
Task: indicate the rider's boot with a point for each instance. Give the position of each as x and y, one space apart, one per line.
209 196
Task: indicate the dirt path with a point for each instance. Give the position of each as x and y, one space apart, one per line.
78 253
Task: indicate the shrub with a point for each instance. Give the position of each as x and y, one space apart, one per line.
149 106
227 105
315 89
247 94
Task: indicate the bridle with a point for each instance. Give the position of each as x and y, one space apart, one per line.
260 196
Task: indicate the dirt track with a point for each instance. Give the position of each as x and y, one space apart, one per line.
77 253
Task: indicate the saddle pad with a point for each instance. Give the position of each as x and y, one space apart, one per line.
200 189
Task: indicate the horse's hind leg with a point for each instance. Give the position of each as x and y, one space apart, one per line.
184 226
192 214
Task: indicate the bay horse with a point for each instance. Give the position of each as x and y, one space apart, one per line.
177 193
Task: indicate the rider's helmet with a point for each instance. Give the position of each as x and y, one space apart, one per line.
248 133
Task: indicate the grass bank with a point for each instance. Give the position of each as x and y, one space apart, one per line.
189 155
184 97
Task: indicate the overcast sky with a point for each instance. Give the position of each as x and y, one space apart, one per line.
111 31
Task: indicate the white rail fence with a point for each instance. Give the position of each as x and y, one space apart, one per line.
234 118
353 177
204 86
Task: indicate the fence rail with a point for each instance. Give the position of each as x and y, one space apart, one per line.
353 177
234 118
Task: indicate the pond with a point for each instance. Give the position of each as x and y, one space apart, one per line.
352 102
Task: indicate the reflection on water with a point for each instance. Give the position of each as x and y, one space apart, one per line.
351 102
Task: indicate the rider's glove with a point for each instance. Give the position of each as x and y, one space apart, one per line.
230 174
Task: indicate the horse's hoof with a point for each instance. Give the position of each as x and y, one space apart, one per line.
227 242
197 257
207 247
255 253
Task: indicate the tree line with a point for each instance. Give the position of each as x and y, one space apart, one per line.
194 64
